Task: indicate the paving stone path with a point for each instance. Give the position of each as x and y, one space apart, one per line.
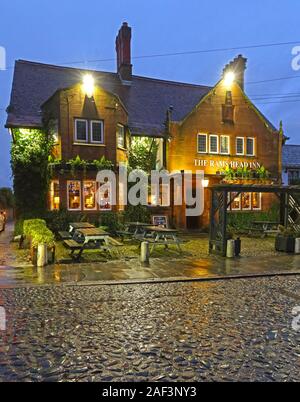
226 330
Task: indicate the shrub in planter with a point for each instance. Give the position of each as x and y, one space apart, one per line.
285 241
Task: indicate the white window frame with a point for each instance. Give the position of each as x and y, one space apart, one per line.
236 149
231 207
228 137
91 132
203 135
250 206
253 139
80 196
83 198
110 193
260 198
217 137
86 131
124 134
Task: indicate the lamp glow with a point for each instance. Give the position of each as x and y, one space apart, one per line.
88 85
205 183
229 78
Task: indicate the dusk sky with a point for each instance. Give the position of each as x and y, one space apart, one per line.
67 31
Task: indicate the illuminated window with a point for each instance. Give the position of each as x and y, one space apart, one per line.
250 146
54 195
236 201
202 143
74 195
104 198
164 195
121 141
224 144
213 144
256 201
97 131
246 201
239 143
81 130
89 192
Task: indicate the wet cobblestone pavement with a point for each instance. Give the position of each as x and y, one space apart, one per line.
226 330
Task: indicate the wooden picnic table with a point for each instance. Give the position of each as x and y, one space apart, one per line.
64 235
266 227
133 229
96 237
157 235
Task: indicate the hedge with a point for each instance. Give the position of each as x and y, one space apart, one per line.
38 232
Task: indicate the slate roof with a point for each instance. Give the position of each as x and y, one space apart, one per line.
146 99
291 156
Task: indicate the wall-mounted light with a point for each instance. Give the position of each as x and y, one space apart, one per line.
229 78
88 85
205 183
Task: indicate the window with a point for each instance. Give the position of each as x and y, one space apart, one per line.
256 201
236 201
104 197
89 192
224 144
213 144
97 131
239 143
121 142
246 201
202 143
54 195
250 146
74 195
81 130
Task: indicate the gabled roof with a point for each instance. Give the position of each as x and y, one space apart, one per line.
291 156
146 99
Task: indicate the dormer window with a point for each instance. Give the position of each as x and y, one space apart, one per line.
88 131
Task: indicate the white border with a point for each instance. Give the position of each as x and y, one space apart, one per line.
202 152
217 137
75 130
224 153
83 198
236 150
253 139
91 131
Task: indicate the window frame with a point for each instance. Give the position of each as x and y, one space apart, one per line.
80 196
260 202
83 198
253 142
86 130
236 148
228 137
91 131
206 143
124 136
217 137
250 202
240 202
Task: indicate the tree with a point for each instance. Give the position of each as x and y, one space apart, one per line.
6 198
143 154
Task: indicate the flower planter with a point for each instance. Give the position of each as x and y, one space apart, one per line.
285 244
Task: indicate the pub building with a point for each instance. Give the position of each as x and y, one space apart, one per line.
96 114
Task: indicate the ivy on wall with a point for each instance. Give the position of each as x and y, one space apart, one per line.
29 162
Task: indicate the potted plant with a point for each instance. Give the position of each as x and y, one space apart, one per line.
285 240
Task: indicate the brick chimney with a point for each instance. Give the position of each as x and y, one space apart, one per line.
123 50
238 67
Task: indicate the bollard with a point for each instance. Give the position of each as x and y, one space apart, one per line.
230 248
145 252
297 245
42 258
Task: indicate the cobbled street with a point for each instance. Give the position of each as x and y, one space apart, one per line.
195 331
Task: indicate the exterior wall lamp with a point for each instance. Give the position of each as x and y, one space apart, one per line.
88 84
229 78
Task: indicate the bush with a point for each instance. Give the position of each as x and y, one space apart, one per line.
58 220
138 213
112 221
38 232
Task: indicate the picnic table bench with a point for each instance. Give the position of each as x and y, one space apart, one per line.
67 235
159 236
133 229
91 238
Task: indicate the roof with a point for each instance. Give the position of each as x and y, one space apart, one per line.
146 99
291 156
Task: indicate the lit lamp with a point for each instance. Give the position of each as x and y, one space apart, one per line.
229 78
205 183
88 85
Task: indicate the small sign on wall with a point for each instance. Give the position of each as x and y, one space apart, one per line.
160 220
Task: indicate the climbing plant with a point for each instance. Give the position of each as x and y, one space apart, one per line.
29 161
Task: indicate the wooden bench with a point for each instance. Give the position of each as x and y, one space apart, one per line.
73 245
64 235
